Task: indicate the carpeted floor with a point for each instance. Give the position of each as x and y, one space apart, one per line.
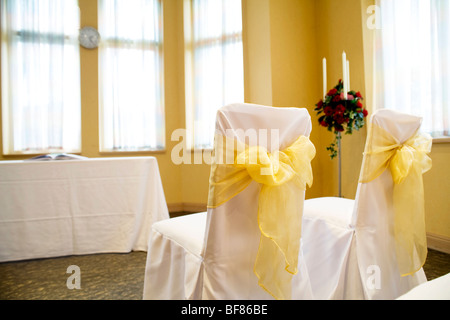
107 276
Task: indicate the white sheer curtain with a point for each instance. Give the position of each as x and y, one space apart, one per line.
214 64
131 75
413 61
40 76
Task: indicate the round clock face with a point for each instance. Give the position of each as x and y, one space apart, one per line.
89 37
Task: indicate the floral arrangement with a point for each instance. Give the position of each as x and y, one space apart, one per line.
338 114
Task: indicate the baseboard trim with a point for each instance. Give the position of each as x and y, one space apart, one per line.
438 242
175 207
186 207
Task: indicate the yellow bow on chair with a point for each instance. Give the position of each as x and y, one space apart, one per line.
282 175
407 162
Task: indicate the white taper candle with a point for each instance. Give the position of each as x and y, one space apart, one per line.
344 74
348 76
324 70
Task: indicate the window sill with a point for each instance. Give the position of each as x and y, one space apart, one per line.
24 156
132 153
441 140
201 150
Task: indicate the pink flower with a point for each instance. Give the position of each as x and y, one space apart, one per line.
349 96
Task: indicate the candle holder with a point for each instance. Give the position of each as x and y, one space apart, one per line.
338 138
339 115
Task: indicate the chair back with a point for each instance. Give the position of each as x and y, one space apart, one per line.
376 196
373 216
232 235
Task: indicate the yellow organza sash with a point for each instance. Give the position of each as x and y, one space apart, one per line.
282 176
407 162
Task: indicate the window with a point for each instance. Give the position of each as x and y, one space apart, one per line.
413 67
131 75
214 64
40 76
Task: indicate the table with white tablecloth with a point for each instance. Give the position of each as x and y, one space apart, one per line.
69 207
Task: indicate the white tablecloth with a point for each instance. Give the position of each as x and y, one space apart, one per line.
66 207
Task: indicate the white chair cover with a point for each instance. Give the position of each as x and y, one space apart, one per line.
211 255
349 245
436 289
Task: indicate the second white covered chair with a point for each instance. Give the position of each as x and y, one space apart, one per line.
247 245
373 247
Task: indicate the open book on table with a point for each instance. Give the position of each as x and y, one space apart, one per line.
57 156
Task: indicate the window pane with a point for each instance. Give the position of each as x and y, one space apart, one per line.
131 75
413 68
40 76
214 65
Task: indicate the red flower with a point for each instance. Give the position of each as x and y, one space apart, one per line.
340 109
328 111
332 92
339 118
319 105
336 112
337 98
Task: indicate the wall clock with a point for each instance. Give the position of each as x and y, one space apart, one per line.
89 37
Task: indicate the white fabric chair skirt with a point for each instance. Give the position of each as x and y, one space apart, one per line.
178 268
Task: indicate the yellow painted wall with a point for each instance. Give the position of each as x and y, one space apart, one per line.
296 73
257 51
339 29
437 187
284 43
